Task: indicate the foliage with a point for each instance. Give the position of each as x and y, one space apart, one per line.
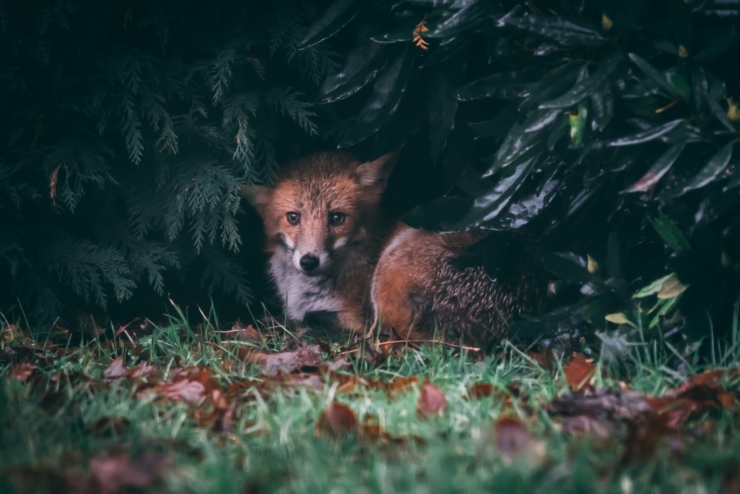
584 124
184 407
127 130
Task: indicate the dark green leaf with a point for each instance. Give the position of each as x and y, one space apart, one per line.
387 92
587 86
734 179
712 170
659 78
475 15
602 105
566 265
559 129
443 105
489 205
498 127
402 33
670 233
558 29
525 209
522 139
700 92
552 85
645 135
441 214
680 86
360 68
504 85
338 15
445 50
613 261
659 168
720 114
719 44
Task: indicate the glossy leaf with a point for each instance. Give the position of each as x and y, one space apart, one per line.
475 15
645 135
670 233
504 85
719 44
338 15
566 266
387 92
552 85
586 87
360 68
446 49
659 168
653 74
602 106
720 114
525 209
443 105
712 170
489 205
497 127
562 31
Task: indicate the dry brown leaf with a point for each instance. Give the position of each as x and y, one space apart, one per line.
579 372
480 390
110 474
115 370
287 362
22 371
337 420
512 436
544 359
431 402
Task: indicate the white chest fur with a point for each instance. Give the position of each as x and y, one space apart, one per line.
300 293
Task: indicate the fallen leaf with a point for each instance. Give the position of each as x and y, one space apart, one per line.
545 359
579 372
337 420
512 436
287 362
480 390
22 371
431 402
603 404
584 425
184 390
115 370
110 474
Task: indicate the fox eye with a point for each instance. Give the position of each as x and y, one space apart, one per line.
336 218
293 217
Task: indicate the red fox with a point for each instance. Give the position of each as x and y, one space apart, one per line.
332 251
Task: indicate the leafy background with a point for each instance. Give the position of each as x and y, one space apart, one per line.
604 131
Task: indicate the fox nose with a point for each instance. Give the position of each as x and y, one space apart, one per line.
309 262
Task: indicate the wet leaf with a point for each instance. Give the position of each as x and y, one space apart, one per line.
579 372
360 68
338 15
388 89
558 29
670 233
659 168
475 15
527 208
587 86
712 170
552 85
337 421
602 105
443 105
431 402
488 206
719 44
184 390
660 79
566 266
505 85
643 136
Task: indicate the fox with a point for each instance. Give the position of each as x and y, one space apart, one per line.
333 252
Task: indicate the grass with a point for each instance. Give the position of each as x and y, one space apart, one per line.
64 416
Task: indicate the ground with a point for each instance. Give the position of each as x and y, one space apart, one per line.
191 408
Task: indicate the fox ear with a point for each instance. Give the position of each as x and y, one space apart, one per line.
256 195
376 173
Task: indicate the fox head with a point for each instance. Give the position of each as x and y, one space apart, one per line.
321 206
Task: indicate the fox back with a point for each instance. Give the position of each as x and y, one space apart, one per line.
324 232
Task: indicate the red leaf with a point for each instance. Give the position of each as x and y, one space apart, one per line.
184 390
544 359
337 421
579 372
287 362
512 436
22 371
431 402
